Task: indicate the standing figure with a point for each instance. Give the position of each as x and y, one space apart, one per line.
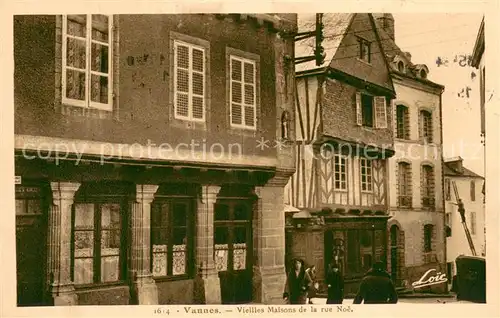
315 286
335 284
297 283
376 287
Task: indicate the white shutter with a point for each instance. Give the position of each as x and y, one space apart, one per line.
249 94
198 84
181 80
359 113
236 95
380 112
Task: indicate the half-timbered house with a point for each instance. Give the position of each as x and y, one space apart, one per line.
343 138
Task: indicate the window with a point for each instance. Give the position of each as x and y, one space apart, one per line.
86 61
428 234
403 122
401 66
473 225
97 243
189 81
426 126
448 220
447 189
423 74
364 50
243 92
340 172
473 190
369 109
404 185
366 175
170 232
427 180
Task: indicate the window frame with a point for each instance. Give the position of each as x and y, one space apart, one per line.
426 131
340 165
97 202
428 237
473 190
403 133
159 202
473 223
232 56
191 46
368 167
407 185
88 103
447 189
364 44
428 187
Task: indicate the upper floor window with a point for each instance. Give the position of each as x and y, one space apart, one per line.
364 50
426 132
401 66
366 173
403 122
340 172
447 189
243 90
370 110
448 224
404 185
473 190
427 186
86 61
189 81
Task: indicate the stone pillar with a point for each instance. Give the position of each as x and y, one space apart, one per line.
59 241
205 244
143 289
269 243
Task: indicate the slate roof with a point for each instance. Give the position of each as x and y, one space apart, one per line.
449 171
335 27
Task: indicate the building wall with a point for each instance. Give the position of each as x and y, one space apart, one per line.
143 103
415 152
457 243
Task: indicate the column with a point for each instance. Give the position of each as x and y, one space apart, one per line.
143 289
269 243
205 246
59 241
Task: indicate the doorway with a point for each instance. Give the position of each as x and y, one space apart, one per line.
233 249
31 229
394 253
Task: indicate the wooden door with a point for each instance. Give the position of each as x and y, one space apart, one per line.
31 229
233 249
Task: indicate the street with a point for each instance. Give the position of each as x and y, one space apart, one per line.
416 300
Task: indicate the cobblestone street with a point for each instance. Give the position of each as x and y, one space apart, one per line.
416 300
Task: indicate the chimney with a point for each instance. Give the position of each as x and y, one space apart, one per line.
386 21
408 56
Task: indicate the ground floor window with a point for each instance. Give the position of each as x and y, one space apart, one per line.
98 242
171 231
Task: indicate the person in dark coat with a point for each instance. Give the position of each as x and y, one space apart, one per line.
376 287
297 284
313 291
335 284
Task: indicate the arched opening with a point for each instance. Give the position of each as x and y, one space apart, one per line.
401 66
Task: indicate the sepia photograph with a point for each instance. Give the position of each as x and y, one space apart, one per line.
222 158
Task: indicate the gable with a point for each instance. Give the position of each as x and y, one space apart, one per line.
346 58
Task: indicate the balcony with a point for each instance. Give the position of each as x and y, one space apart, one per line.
404 201
429 202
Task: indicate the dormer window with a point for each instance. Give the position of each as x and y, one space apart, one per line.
423 74
364 50
421 71
401 66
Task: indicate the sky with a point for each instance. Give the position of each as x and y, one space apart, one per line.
428 36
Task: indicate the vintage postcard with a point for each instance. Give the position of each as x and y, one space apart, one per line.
225 159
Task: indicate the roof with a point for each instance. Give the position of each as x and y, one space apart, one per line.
391 50
335 27
449 171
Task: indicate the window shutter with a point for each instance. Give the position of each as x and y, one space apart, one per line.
182 80
198 83
249 80
380 112
359 113
236 96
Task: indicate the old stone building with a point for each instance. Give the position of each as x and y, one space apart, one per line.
416 228
138 176
344 141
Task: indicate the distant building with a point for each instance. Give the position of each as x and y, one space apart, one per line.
469 186
416 229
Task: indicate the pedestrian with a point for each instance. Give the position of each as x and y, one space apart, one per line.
335 284
313 291
297 283
376 287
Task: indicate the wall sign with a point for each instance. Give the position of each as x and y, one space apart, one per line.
429 279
